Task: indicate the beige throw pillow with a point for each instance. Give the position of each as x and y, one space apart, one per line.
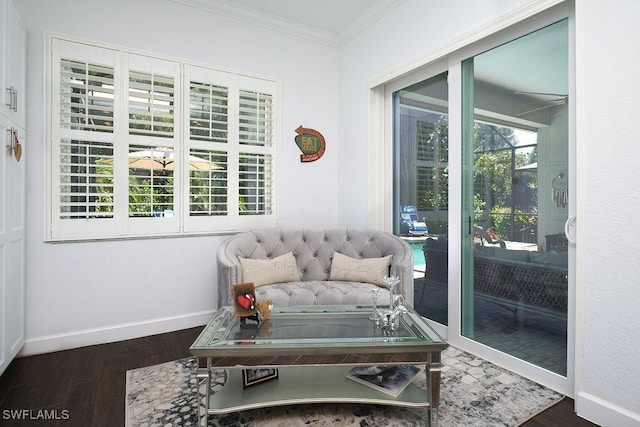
367 270
268 271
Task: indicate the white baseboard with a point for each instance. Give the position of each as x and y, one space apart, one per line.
604 413
86 337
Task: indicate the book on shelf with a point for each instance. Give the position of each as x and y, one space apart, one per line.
391 380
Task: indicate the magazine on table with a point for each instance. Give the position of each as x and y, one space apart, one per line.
391 380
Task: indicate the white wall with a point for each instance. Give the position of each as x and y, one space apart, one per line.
83 293
607 377
609 148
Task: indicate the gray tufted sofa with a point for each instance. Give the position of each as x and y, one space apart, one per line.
313 250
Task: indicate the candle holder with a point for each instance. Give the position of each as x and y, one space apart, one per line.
391 319
392 282
375 314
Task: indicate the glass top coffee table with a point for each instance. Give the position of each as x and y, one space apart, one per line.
312 348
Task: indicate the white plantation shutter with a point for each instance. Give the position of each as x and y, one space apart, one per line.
86 96
208 112
151 187
86 185
152 156
208 187
83 116
256 165
256 118
144 146
210 139
255 179
232 121
86 104
151 104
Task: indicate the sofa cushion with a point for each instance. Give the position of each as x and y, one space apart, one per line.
266 271
367 270
319 292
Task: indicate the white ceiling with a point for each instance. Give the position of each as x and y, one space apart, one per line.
528 64
333 16
330 22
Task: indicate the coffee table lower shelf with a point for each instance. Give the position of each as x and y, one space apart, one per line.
306 384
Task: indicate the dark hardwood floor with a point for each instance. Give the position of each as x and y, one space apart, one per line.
86 386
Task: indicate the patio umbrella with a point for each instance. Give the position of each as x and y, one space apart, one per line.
161 159
529 167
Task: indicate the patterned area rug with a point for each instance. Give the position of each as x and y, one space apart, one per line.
474 393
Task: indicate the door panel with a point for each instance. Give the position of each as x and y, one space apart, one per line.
515 260
421 188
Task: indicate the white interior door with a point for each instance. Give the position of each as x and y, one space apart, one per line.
12 244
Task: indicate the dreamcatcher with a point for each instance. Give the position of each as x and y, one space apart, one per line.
560 186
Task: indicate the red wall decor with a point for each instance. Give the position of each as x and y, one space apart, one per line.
311 143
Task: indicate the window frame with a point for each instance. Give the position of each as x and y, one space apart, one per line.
180 222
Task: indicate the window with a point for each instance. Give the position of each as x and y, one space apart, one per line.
145 146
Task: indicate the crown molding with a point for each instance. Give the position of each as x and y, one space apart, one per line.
292 28
368 18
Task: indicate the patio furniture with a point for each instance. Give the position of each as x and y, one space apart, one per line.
485 236
514 279
437 263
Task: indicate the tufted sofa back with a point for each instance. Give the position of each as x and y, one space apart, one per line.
313 250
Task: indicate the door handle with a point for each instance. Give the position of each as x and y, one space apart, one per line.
9 91
570 222
13 98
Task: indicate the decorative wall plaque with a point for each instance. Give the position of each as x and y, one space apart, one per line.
311 143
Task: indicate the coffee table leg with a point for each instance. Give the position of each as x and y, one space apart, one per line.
203 377
433 376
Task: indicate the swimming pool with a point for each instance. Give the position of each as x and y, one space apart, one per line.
418 254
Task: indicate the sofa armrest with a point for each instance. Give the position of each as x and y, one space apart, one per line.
229 273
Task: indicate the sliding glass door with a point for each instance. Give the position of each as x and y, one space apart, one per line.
515 169
482 171
421 188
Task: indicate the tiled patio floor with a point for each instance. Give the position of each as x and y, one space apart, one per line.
528 335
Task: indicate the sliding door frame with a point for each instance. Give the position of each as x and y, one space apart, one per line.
449 58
